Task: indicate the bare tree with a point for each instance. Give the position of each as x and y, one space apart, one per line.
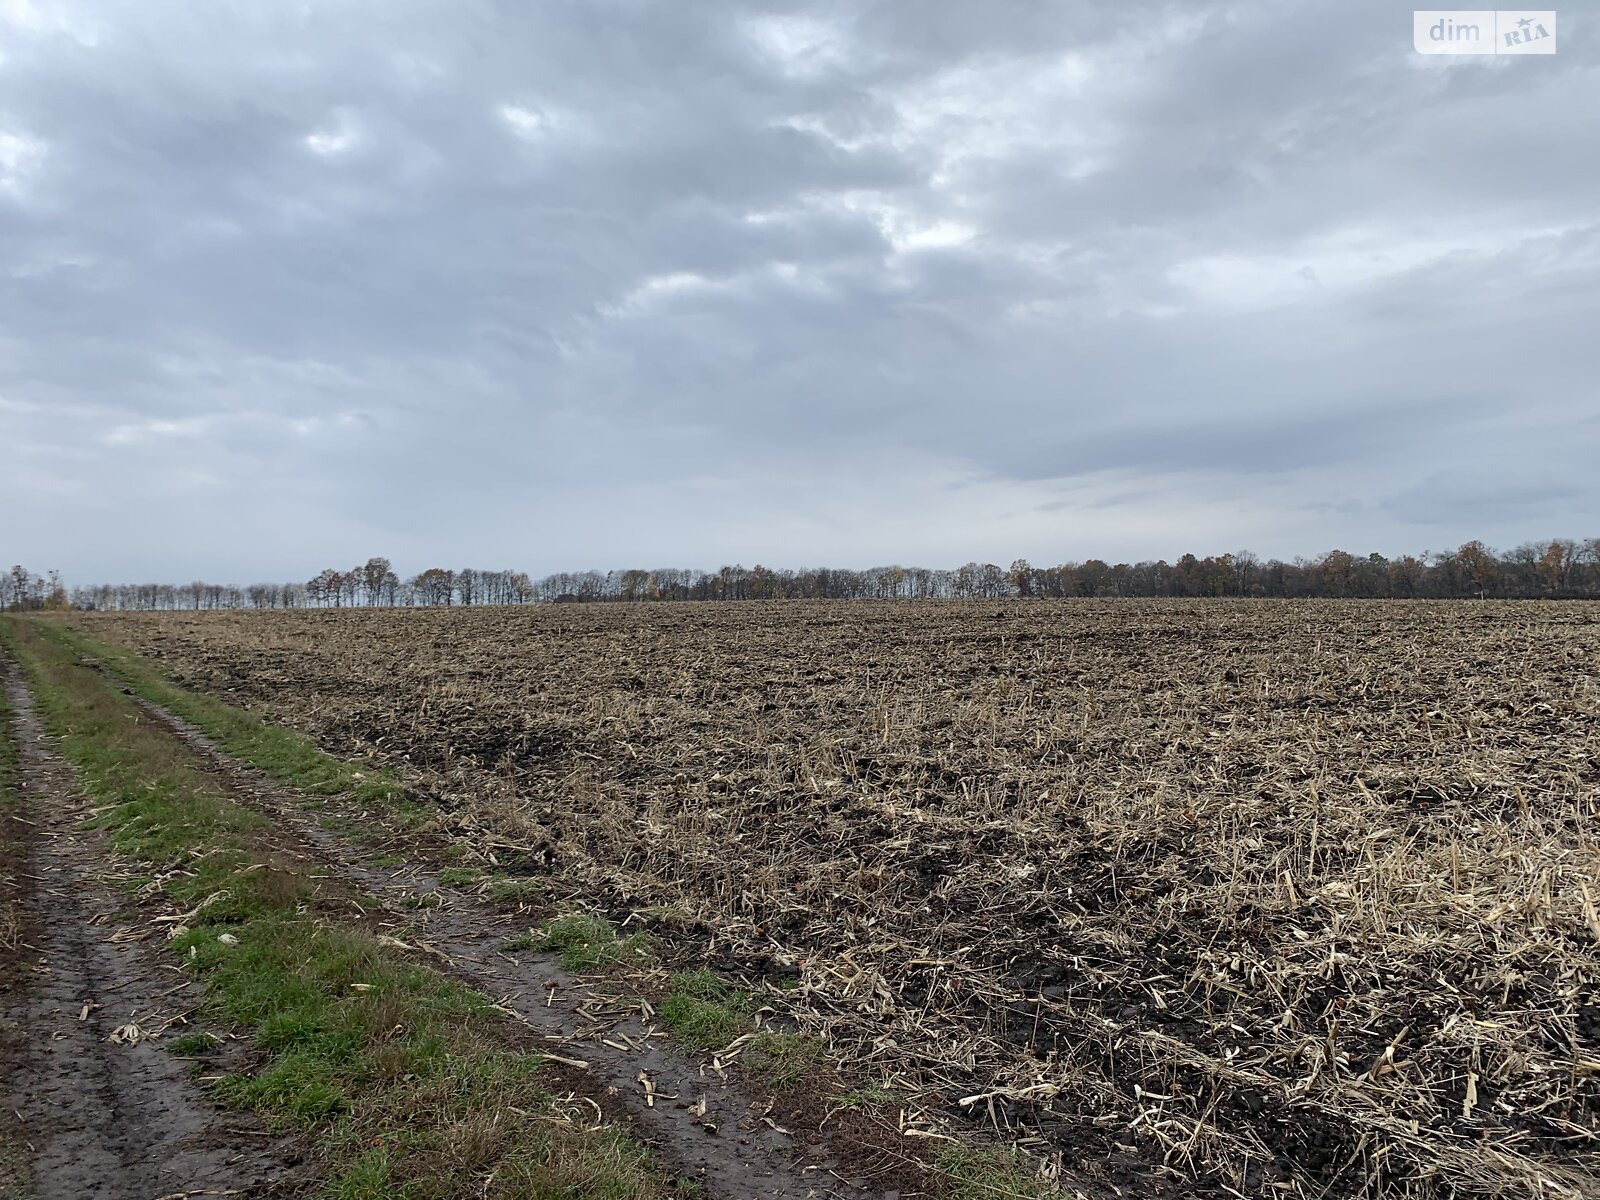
375 577
434 586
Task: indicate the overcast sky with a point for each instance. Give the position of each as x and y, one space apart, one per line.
559 285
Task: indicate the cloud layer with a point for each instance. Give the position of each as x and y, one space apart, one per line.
605 283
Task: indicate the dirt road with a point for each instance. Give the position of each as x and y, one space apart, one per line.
95 1105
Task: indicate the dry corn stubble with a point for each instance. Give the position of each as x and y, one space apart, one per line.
1251 895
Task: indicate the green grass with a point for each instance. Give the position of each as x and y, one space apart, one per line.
781 1059
408 1083
517 889
703 1013
460 876
193 1045
867 1097
288 757
672 916
989 1174
586 941
8 755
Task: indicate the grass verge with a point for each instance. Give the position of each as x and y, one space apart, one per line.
408 1083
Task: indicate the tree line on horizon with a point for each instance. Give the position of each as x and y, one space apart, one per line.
1561 568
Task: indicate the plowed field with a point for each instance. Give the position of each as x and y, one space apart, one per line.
1194 897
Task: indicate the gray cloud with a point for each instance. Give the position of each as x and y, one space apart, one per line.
602 283
1442 498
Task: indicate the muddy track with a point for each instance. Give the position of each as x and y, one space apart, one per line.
696 1116
104 1111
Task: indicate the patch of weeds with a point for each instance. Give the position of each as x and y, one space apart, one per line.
672 916
424 900
973 1174
868 1097
388 860
341 827
368 1177
516 889
586 941
194 1045
782 1059
403 814
702 1012
460 876
523 941
598 1160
